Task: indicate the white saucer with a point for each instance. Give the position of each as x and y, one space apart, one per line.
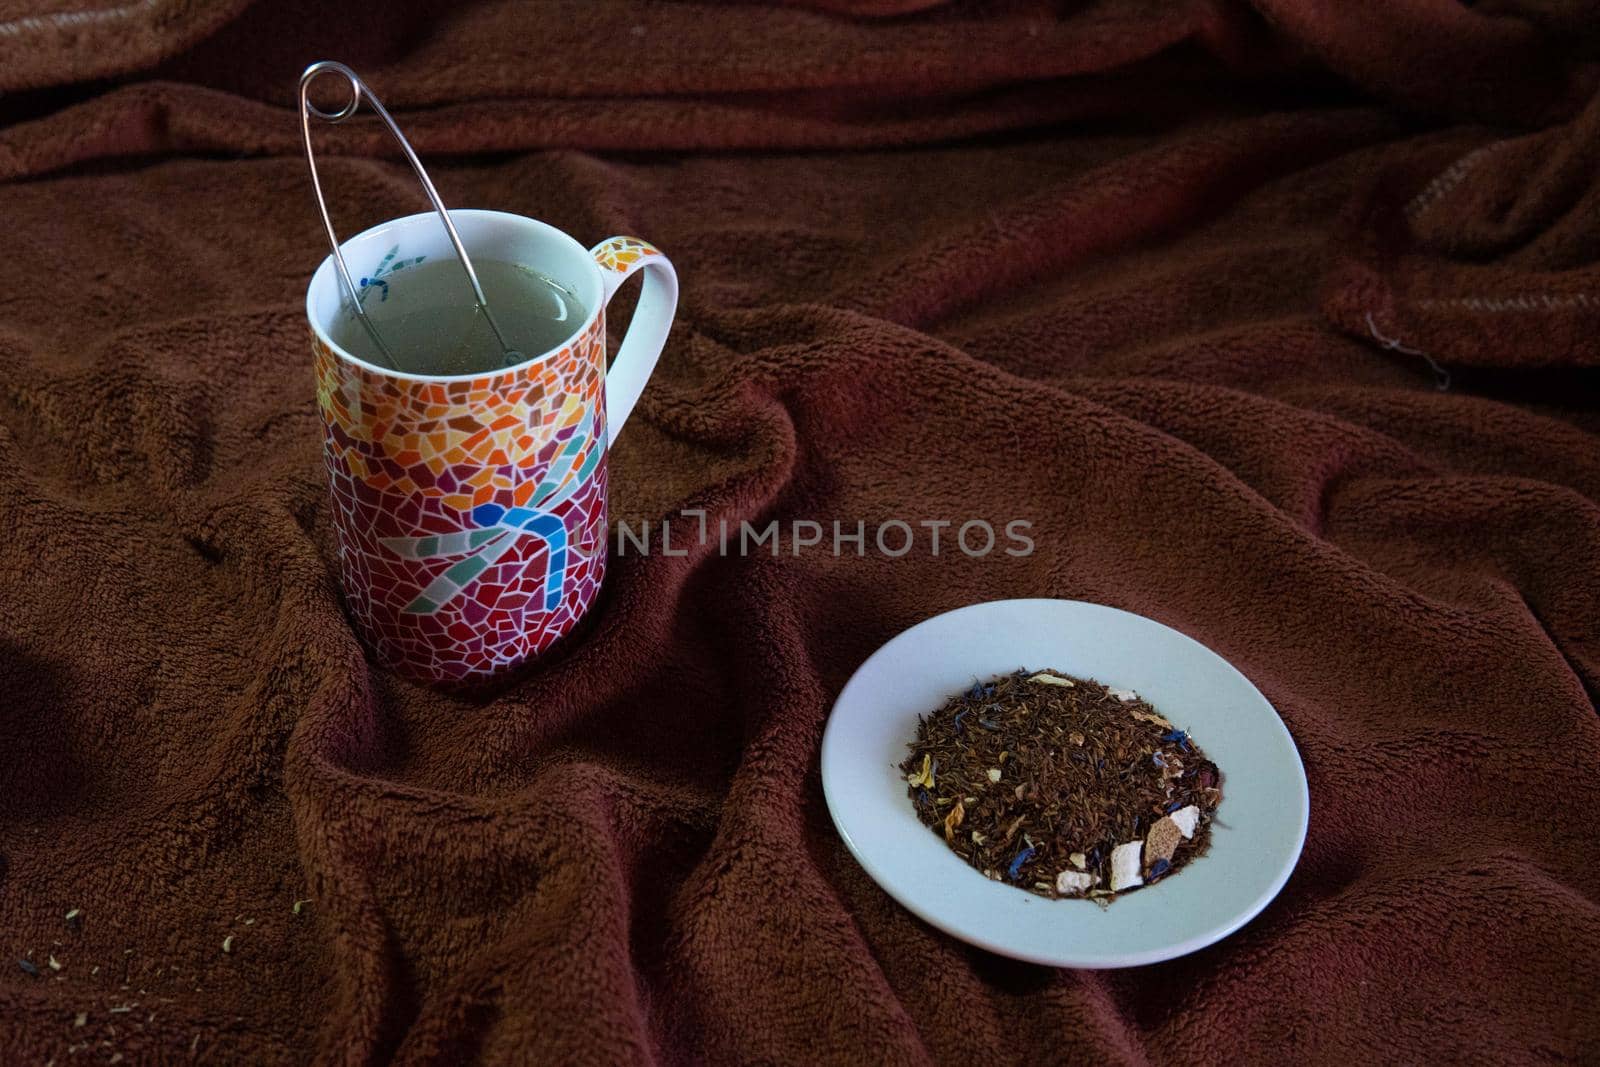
1255 839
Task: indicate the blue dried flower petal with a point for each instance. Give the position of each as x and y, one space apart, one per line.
1179 736
976 691
1016 864
959 714
1160 867
1155 757
1174 806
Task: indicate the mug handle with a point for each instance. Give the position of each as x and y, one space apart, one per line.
618 258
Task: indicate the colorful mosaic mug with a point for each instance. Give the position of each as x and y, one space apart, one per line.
471 509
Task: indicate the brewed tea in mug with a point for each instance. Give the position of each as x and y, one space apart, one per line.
437 327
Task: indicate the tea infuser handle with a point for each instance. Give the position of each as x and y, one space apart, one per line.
359 90
619 258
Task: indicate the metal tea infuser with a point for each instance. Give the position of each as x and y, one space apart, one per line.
358 91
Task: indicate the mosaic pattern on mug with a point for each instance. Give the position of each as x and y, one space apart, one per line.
454 493
620 253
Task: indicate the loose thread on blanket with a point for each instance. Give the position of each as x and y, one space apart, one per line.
1440 374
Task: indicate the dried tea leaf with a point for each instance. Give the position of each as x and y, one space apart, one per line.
1087 772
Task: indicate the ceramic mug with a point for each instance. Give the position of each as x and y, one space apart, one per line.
471 509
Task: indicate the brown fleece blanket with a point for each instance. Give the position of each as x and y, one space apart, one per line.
1279 322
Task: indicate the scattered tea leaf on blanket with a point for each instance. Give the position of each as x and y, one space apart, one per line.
28 968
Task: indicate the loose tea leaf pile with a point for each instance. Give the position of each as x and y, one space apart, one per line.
1062 786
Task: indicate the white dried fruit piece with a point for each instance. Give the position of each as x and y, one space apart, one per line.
1074 881
1126 865
1050 679
1162 841
994 774
1150 716
1127 696
1079 860
1186 819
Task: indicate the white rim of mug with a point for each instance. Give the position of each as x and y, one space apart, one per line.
406 220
